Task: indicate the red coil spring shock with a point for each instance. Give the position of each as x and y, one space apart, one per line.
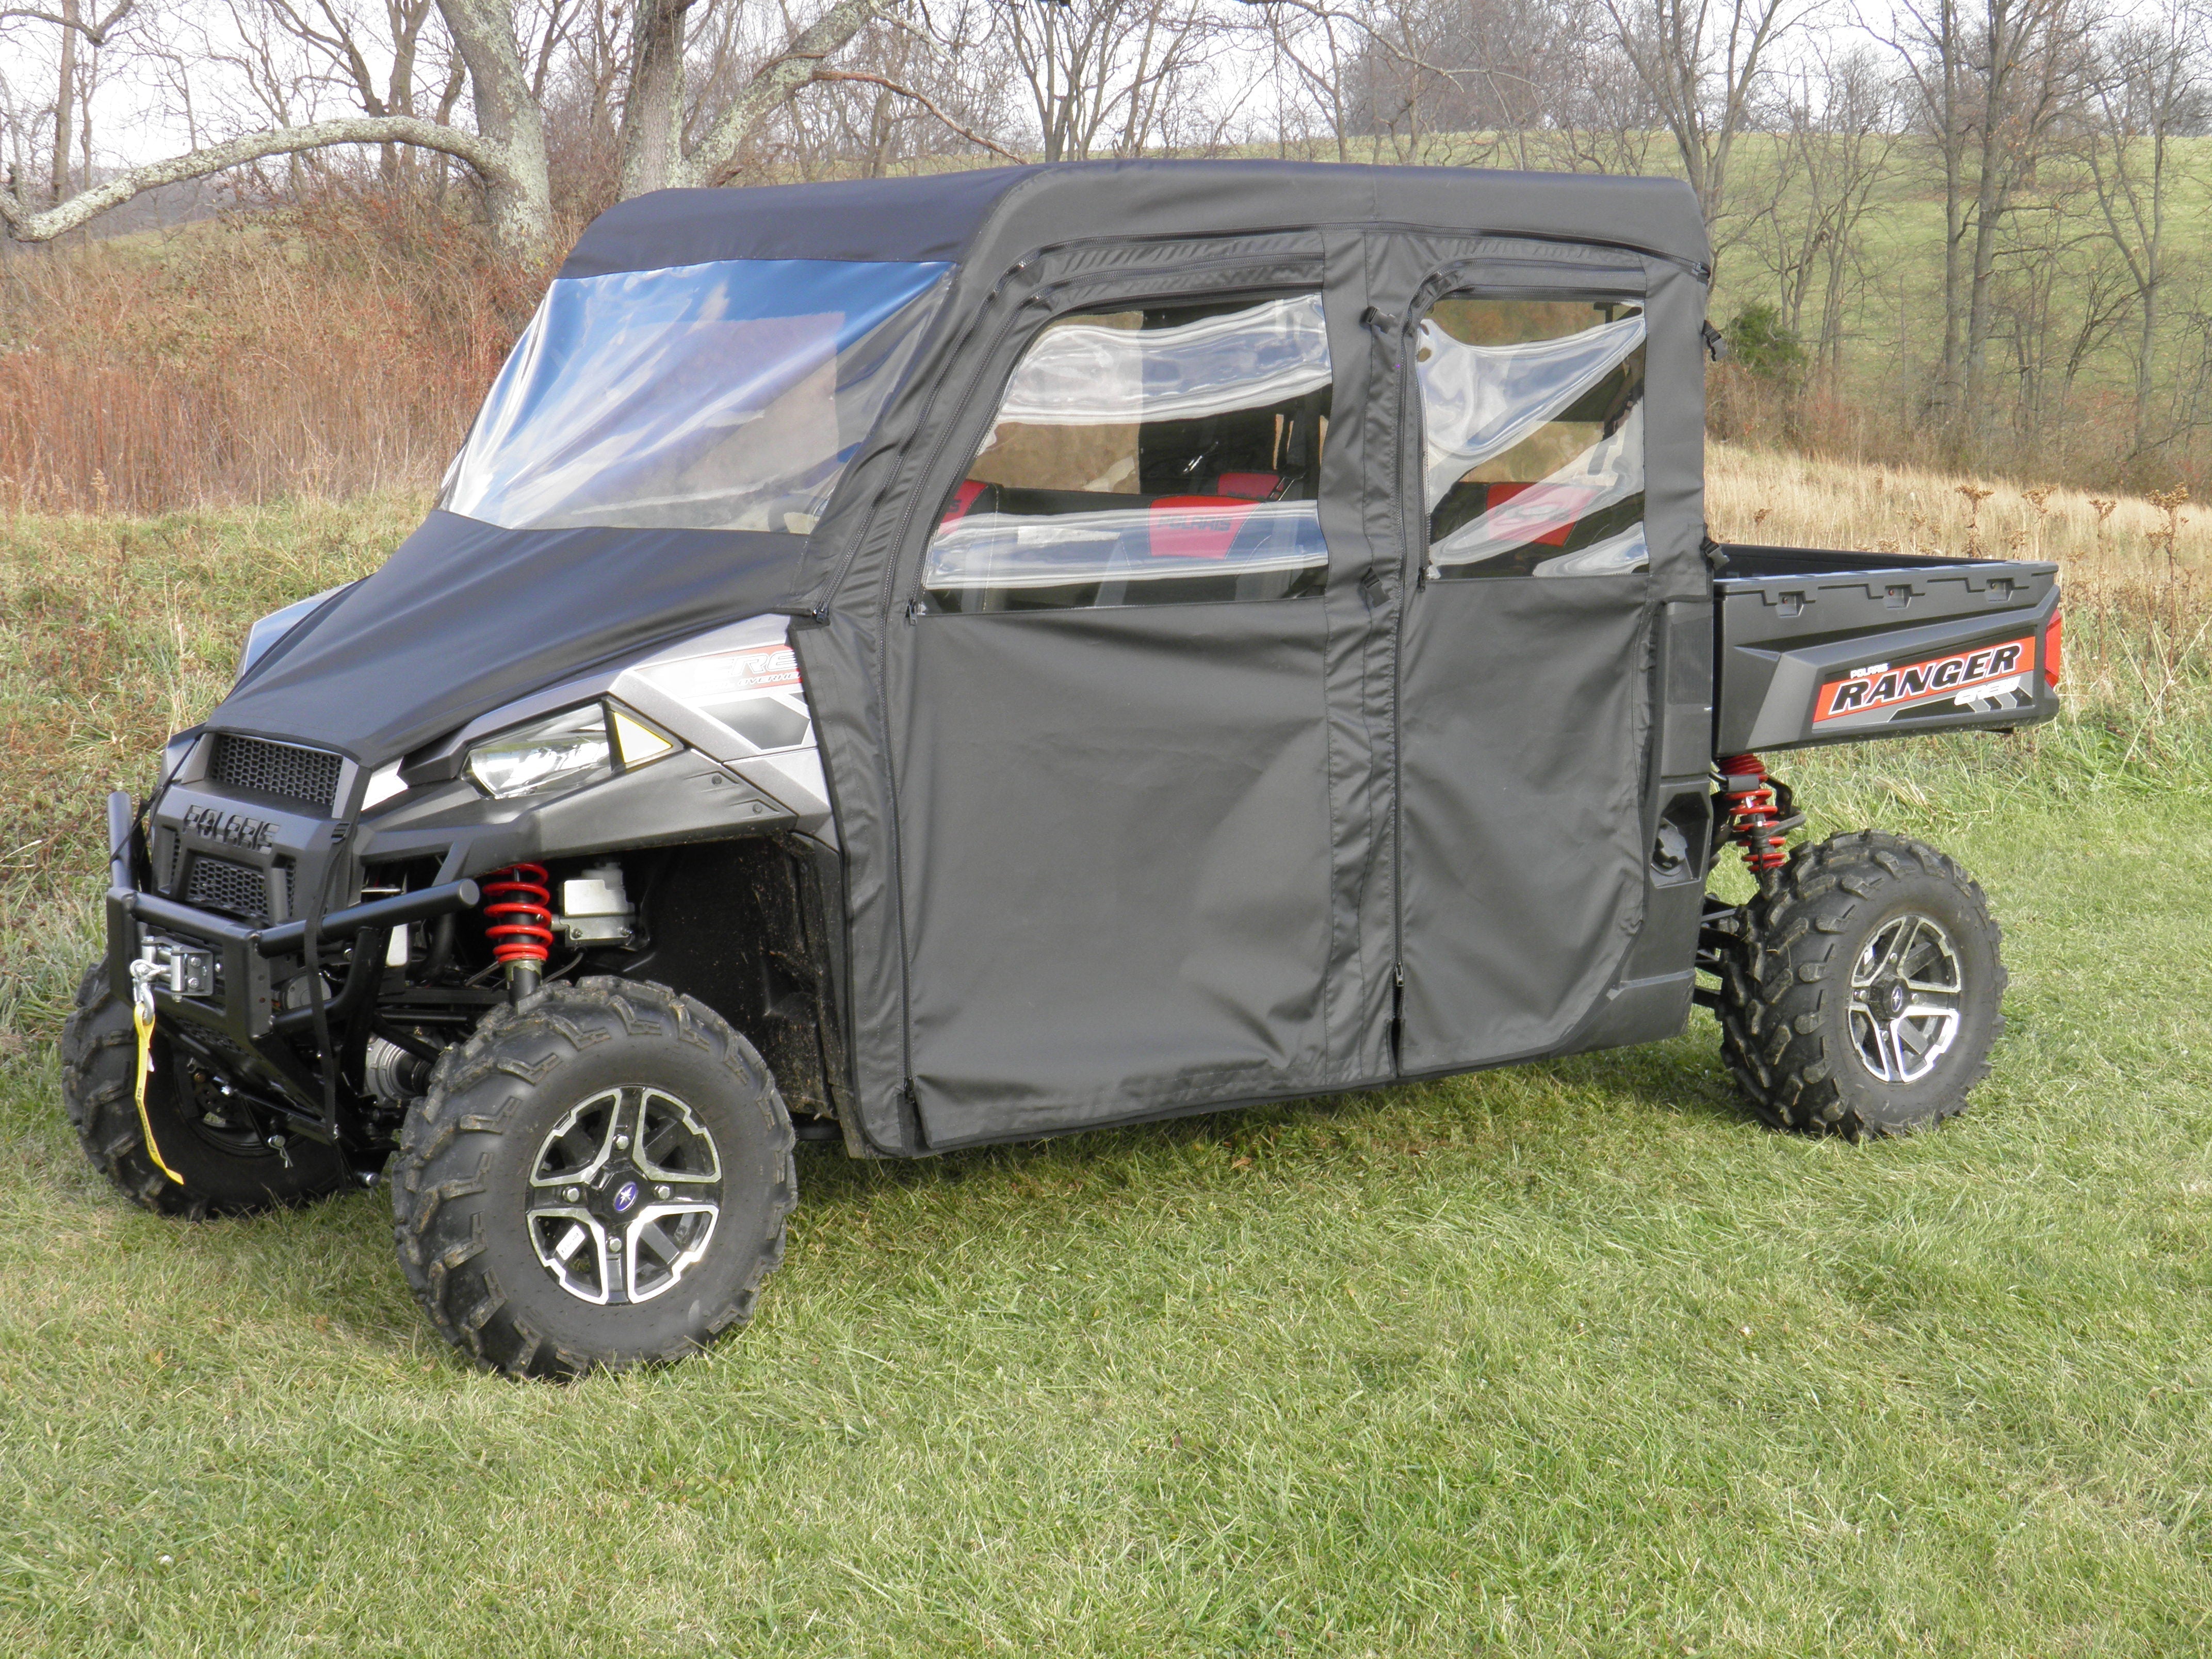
1756 821
519 901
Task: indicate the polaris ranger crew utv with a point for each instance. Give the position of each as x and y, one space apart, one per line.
921 663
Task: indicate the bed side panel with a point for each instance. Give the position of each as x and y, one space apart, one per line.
1843 655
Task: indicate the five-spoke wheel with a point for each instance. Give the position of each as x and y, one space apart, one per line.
1905 991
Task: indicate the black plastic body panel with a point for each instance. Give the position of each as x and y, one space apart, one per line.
1818 647
684 797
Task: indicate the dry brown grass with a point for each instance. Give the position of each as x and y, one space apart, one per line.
2134 569
334 348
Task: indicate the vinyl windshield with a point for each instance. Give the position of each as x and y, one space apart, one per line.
726 396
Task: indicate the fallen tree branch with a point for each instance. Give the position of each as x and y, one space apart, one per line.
24 225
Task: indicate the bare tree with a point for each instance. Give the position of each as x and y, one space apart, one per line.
932 86
79 36
1836 145
505 145
1603 118
1993 84
1460 82
2152 87
1313 44
1107 76
349 38
1700 61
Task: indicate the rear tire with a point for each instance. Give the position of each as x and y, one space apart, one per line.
1861 996
596 1180
227 1169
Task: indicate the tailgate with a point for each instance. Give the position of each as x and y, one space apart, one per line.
1817 646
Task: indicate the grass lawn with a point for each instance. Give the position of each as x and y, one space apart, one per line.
1573 1359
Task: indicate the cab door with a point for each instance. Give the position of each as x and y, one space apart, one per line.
1523 688
1113 768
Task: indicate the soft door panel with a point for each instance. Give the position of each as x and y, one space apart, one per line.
1125 823
1523 706
1117 860
1524 668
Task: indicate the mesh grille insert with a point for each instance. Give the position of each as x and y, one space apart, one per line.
308 775
238 889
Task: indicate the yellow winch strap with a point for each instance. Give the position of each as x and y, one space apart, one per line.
142 1017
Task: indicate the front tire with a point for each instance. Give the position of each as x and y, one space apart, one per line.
596 1180
1861 996
228 1168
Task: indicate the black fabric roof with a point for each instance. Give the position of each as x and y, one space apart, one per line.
925 218
951 216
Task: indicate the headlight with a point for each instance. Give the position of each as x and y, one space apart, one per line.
277 624
753 692
567 751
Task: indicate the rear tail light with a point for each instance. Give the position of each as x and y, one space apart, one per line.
2054 648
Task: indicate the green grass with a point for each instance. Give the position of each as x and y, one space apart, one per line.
2054 293
1572 1358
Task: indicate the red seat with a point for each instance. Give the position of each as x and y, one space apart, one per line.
1549 512
962 499
1249 486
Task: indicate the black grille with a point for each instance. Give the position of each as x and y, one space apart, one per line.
308 775
238 889
169 860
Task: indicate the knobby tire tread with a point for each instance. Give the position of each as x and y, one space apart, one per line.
100 1075
1781 971
447 1149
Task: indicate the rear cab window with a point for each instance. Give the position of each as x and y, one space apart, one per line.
1147 456
1532 413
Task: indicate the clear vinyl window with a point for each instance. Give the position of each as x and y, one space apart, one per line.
1532 414
724 396
1155 456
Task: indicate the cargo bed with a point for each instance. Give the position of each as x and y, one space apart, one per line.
1819 646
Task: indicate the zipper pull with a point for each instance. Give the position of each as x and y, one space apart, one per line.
1383 325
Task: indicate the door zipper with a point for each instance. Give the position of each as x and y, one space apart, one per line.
1398 1019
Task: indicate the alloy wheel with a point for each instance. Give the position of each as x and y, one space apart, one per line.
624 1196
1906 991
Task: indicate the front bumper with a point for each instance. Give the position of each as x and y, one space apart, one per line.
226 1004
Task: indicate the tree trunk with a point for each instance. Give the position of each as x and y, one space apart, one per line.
1954 239
2144 340
710 160
652 115
64 116
519 196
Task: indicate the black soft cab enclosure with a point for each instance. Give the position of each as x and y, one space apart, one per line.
928 662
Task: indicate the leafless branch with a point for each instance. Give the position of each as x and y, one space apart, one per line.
96 31
823 73
26 225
